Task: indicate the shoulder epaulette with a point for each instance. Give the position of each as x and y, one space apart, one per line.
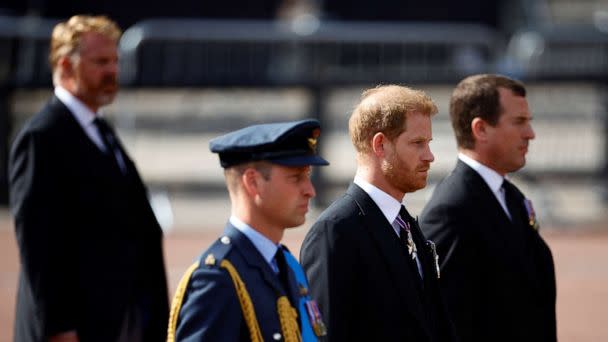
216 253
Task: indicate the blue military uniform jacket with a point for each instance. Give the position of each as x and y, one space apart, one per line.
210 308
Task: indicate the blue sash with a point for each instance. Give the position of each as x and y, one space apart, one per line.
308 334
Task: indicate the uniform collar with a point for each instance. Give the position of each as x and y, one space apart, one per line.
265 246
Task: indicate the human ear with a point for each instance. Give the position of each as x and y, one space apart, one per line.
479 129
67 65
378 141
250 179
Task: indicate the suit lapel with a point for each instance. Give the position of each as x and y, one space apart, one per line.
86 145
509 234
498 223
529 237
388 245
428 264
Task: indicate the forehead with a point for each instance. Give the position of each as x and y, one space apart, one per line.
417 123
512 104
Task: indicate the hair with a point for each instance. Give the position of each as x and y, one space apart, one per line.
384 109
66 37
477 97
233 173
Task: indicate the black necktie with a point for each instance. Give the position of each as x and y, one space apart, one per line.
110 141
513 199
283 269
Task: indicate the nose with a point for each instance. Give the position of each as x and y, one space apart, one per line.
309 189
112 67
428 155
529 133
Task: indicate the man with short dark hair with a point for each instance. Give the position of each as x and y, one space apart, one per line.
497 273
247 286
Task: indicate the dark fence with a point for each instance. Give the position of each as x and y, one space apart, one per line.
315 55
177 53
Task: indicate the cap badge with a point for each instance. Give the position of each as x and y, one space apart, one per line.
312 141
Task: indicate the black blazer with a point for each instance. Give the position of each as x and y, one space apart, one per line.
360 276
497 275
90 246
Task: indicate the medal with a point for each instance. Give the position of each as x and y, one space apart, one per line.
435 257
531 214
315 318
411 246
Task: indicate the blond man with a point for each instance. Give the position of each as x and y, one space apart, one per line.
90 247
371 270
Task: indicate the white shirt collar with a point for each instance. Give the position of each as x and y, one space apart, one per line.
388 204
491 177
81 112
264 245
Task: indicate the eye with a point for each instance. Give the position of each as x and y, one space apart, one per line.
419 142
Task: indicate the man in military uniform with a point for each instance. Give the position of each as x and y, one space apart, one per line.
247 286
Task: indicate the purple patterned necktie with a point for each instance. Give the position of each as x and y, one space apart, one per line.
405 235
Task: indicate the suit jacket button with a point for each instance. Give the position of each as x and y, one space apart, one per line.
225 240
276 336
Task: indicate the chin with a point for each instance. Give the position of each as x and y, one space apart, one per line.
106 99
296 222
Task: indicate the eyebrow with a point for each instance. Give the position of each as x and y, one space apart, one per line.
420 137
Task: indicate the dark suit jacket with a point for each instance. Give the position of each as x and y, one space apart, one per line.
211 311
360 276
89 243
497 275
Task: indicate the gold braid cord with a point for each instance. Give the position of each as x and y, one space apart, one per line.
176 305
246 304
289 320
288 316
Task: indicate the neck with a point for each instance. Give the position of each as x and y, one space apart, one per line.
482 159
72 89
375 177
272 232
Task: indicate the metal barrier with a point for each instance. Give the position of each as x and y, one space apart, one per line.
309 62
179 53
313 55
558 52
574 53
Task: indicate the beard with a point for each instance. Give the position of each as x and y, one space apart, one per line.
98 94
105 99
402 176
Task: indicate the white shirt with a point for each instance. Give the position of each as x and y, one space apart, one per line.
491 177
85 118
264 245
83 115
388 205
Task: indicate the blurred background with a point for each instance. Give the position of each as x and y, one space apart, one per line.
192 70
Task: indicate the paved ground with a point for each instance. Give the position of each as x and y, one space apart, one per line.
581 264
